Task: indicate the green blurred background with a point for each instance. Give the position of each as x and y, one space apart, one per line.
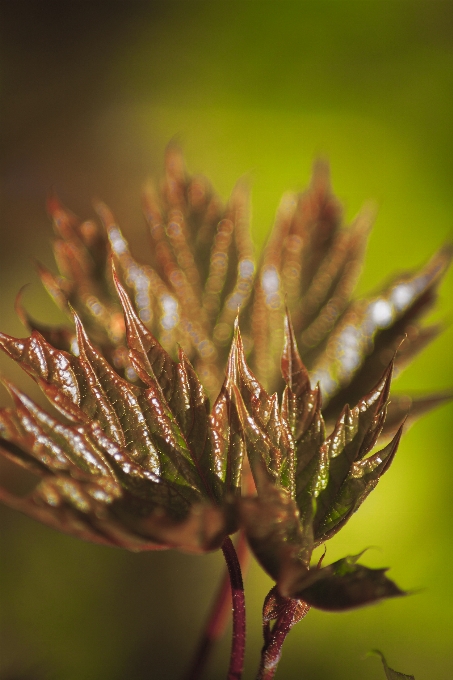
91 93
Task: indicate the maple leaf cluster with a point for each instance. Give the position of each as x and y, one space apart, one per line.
139 459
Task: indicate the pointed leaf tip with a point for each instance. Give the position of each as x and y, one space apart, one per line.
80 330
391 674
344 585
293 369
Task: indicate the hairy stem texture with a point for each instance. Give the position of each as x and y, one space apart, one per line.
274 639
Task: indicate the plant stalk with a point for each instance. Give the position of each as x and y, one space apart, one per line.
274 639
218 615
238 603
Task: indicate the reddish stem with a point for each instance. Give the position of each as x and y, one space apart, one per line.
274 639
272 650
220 613
238 603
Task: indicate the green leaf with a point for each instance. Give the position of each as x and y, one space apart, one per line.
327 489
84 452
301 409
390 674
311 466
300 403
266 438
354 435
327 478
181 393
227 433
361 480
136 419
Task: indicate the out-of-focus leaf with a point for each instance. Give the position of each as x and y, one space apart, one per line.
203 529
204 258
313 262
201 271
81 251
410 408
333 282
371 331
390 674
59 337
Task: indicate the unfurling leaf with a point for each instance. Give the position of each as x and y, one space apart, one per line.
139 460
136 465
361 479
202 271
309 485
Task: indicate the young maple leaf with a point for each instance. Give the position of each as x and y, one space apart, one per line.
309 485
141 463
310 265
202 273
138 466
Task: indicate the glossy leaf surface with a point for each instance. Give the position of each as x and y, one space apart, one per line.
126 451
201 272
309 485
140 460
